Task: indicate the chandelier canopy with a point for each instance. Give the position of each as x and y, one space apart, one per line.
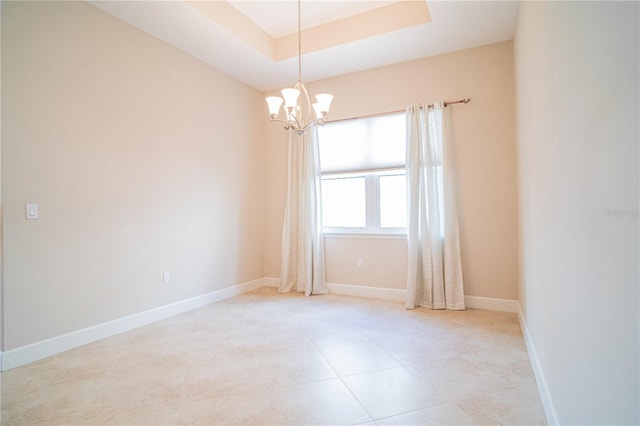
297 116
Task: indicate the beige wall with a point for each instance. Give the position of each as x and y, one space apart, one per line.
1 222
384 260
142 160
484 132
577 67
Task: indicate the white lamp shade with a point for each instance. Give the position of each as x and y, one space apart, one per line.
290 96
324 101
318 110
274 103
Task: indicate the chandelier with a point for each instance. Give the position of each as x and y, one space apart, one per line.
296 116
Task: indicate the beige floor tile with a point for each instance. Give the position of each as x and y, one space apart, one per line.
417 347
249 408
391 392
215 378
275 340
324 337
445 415
93 401
516 406
269 358
328 402
356 359
139 416
232 375
456 378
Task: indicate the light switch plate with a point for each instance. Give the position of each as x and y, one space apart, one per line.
32 211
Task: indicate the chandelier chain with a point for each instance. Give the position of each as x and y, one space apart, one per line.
299 46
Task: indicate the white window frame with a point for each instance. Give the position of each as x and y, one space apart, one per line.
372 202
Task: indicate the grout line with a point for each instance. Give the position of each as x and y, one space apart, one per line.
339 376
357 399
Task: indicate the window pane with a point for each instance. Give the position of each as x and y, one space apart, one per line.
343 202
393 201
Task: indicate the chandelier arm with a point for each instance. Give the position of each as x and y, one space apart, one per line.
310 123
296 121
289 124
282 121
293 119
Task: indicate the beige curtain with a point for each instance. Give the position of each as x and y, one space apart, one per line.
434 276
302 267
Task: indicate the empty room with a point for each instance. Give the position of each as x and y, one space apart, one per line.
385 212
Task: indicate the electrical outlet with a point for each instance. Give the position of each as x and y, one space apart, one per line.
360 262
166 277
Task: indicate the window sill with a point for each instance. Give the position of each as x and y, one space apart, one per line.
354 235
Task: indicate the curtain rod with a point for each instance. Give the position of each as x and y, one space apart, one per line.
380 114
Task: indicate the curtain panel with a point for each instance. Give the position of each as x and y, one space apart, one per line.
434 276
302 266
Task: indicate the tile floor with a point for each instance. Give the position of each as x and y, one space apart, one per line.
265 358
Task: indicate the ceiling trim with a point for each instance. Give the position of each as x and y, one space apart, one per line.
232 20
399 15
385 19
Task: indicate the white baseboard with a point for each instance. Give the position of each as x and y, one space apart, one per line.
547 404
491 303
394 294
353 290
398 295
35 351
271 282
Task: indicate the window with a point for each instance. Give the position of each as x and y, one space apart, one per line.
364 188
393 200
